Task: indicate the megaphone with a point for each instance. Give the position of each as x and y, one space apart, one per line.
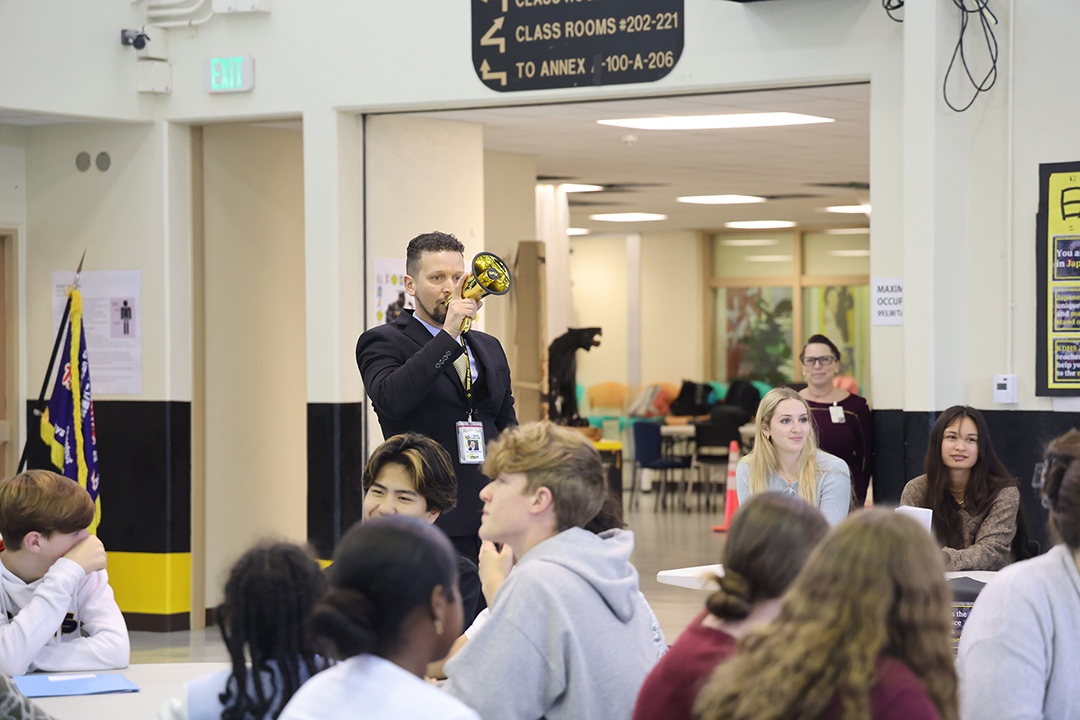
489 276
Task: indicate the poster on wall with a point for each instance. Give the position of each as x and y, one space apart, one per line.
388 290
112 317
839 312
1057 257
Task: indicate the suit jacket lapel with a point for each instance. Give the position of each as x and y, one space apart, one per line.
413 328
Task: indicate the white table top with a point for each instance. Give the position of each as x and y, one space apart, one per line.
157 683
678 431
699 577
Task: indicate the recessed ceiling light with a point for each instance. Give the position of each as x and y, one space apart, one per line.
768 258
578 187
717 122
628 217
747 242
576 231
720 199
848 231
760 224
850 253
850 209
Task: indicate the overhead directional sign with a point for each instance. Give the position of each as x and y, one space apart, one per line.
539 44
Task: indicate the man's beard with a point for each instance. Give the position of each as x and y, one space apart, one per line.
436 313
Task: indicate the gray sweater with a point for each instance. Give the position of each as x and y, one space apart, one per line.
833 485
569 635
1019 656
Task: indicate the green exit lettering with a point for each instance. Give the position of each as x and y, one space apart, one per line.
226 74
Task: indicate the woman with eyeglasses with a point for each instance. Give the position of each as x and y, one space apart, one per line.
844 425
1020 648
978 518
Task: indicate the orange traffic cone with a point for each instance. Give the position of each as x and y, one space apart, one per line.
731 498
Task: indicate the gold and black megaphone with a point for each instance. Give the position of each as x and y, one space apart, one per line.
489 276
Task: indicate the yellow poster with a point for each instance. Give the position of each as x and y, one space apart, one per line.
1059 235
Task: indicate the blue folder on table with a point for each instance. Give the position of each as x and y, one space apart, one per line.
35 686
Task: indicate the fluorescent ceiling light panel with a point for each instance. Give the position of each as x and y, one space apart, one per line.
578 187
849 209
760 224
720 199
628 217
717 122
850 253
848 231
576 231
768 258
747 242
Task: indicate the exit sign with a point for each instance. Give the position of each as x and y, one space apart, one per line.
230 74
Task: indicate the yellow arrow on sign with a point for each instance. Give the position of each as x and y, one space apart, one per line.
489 40
486 74
504 4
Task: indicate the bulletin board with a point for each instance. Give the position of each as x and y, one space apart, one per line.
1057 253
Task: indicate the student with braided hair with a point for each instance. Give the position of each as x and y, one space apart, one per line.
393 607
269 597
770 538
865 633
1020 648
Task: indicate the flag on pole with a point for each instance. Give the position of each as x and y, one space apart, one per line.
67 426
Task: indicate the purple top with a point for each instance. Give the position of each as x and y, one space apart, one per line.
852 440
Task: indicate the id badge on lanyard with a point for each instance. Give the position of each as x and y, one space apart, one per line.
470 439
837 414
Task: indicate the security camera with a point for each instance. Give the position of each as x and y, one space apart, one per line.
135 38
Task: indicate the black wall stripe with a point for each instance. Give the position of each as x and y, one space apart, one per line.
144 459
335 469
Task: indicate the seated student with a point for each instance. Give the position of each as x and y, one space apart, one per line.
978 517
864 632
568 635
57 611
768 543
269 596
411 474
786 458
392 608
1020 649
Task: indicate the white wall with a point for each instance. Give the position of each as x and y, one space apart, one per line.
256 418
117 216
672 328
598 277
509 217
12 176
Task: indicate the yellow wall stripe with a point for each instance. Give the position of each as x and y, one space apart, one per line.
156 583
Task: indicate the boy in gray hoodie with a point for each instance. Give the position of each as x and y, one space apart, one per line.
569 634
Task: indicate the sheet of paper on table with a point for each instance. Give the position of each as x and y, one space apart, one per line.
37 686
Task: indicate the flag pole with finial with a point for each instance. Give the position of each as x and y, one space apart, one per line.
52 358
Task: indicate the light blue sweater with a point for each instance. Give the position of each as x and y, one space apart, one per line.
833 485
1019 653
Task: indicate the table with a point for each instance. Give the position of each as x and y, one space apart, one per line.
157 683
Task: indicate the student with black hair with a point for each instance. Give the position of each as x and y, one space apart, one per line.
770 539
392 608
269 597
978 518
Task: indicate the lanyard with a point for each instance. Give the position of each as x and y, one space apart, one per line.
468 377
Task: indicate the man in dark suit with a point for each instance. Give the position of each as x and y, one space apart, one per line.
408 368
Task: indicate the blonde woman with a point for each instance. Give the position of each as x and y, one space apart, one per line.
786 458
865 633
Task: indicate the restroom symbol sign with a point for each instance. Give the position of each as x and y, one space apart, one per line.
122 317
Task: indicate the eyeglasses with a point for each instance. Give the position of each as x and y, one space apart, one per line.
823 361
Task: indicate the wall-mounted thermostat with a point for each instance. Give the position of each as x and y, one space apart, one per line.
1005 390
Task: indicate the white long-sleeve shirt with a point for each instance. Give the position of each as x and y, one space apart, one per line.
66 620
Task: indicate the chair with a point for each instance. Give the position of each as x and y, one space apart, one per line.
648 453
712 441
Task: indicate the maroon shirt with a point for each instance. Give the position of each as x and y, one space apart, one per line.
898 695
852 440
670 689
